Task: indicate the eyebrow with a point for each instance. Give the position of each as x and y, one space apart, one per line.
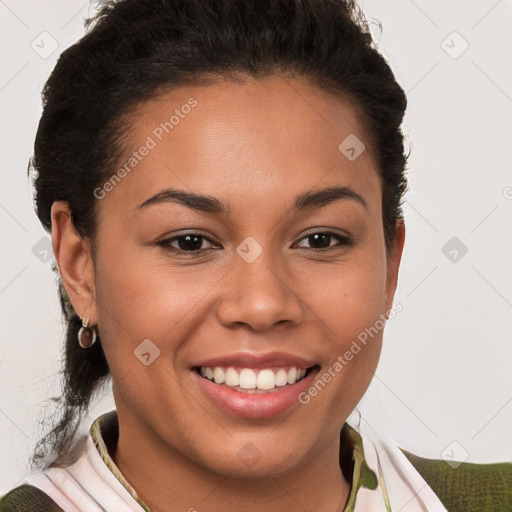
208 204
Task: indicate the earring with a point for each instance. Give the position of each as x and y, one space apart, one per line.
86 335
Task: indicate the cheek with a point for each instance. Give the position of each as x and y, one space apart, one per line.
353 296
140 302
353 302
147 301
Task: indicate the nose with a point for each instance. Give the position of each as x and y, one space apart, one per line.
259 294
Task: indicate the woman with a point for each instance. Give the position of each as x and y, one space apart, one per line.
222 181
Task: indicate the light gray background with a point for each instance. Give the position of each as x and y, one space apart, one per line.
443 386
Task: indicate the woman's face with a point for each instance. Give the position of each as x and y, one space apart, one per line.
252 288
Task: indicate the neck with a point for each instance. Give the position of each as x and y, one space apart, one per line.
163 477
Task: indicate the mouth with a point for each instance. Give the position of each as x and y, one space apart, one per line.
254 385
254 380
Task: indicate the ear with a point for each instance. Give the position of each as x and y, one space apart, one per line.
393 262
73 256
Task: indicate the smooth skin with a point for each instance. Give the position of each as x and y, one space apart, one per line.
255 145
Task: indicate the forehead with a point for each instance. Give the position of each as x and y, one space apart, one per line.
245 143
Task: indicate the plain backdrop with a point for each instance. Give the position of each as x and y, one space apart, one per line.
443 386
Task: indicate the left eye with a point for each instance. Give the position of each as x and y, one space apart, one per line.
322 238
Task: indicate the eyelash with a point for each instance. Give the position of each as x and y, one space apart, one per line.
344 241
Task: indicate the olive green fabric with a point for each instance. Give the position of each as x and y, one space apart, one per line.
467 487
351 448
27 498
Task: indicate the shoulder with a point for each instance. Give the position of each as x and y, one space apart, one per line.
27 498
467 487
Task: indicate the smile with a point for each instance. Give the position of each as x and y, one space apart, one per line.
253 380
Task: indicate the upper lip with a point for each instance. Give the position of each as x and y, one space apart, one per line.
255 360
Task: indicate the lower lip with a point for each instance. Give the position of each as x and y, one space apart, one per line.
255 405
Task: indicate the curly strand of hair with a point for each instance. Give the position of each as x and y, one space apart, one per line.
85 370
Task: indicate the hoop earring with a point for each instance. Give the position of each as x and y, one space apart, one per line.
86 335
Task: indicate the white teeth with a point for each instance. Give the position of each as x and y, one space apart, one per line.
282 378
248 378
218 375
266 379
292 375
232 377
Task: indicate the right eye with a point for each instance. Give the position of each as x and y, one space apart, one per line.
190 243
